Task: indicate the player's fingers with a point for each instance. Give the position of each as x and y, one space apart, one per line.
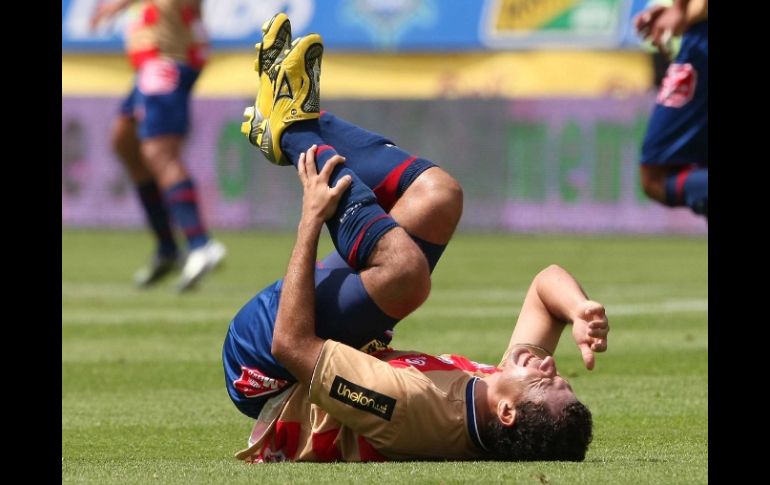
655 33
600 345
599 332
642 21
310 161
341 187
326 171
593 310
655 12
600 324
665 37
588 355
301 170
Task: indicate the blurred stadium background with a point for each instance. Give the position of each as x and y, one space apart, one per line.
537 107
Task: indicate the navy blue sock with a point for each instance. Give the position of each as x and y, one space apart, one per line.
157 217
359 221
333 260
346 313
431 250
183 204
690 187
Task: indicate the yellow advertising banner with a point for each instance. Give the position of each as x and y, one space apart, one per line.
402 76
527 14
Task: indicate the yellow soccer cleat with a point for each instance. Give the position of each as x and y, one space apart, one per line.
276 39
294 80
276 36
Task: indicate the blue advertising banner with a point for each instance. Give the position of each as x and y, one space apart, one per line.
345 24
392 25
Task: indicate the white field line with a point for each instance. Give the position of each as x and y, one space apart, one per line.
134 315
72 292
669 306
616 309
510 295
80 291
76 292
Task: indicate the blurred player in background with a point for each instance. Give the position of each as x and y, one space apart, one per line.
166 44
318 400
674 162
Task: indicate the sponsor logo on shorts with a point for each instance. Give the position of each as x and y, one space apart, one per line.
678 87
362 398
158 77
254 383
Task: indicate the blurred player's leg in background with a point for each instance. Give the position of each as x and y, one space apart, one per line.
165 122
166 257
674 162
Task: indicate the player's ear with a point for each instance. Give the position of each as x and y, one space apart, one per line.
506 412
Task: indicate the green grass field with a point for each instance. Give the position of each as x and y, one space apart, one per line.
143 397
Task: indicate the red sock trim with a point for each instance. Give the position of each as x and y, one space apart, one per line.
681 178
352 256
387 190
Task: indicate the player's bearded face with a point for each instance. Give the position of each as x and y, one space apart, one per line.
528 377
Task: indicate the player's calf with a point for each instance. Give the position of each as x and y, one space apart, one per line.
397 276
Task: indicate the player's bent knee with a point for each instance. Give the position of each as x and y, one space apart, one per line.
450 195
431 207
399 278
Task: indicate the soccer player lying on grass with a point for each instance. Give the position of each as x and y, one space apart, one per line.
358 300
351 406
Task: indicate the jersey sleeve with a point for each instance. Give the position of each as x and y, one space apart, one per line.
362 392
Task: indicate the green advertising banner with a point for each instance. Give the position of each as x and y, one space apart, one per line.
531 166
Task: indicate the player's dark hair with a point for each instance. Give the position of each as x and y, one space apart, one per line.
539 435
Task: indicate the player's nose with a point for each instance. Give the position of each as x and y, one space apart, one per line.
548 366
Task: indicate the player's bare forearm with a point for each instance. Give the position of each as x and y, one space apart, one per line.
559 291
551 297
295 343
660 24
554 299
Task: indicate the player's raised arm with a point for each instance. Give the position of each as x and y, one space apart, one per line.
295 343
660 24
553 300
